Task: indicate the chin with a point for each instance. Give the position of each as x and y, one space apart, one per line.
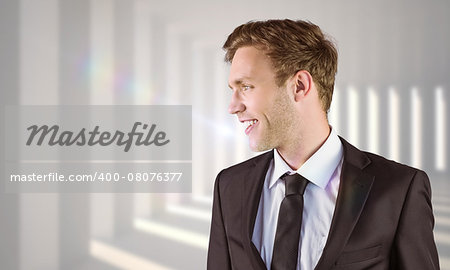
254 146
259 146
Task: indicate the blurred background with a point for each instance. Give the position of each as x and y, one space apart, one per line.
392 98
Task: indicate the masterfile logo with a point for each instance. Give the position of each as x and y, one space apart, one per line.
79 149
99 132
91 138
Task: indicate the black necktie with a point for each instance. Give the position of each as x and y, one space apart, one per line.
285 247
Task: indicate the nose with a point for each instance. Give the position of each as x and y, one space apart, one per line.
236 104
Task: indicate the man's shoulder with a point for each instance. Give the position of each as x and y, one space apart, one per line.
388 175
232 178
380 165
248 164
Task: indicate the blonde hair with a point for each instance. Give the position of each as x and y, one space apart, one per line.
291 46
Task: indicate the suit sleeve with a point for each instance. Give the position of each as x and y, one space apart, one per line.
218 253
414 246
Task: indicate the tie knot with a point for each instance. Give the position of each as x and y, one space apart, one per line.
295 184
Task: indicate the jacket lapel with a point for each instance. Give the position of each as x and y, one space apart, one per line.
253 184
353 191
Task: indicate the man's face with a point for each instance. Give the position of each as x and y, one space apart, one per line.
258 102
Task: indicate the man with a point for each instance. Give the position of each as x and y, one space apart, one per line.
314 201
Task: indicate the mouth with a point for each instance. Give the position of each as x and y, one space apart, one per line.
250 124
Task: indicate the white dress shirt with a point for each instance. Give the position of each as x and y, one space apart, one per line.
323 170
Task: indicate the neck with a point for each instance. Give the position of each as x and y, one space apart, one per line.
298 152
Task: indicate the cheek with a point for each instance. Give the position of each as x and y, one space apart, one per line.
264 104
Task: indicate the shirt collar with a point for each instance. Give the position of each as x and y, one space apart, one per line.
319 168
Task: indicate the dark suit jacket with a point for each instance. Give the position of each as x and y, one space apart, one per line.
383 217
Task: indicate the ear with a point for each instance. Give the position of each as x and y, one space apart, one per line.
303 82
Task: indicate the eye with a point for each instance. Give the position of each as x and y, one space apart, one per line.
246 87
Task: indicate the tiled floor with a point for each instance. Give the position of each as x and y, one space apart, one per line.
441 208
178 238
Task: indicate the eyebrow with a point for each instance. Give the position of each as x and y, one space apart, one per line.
239 81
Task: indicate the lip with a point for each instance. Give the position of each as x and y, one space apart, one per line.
247 119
